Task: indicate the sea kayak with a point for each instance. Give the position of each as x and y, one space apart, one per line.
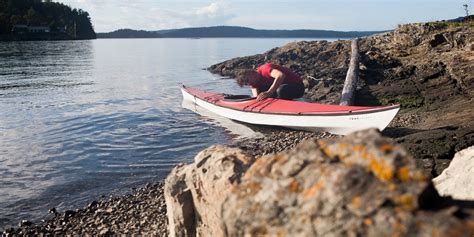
299 115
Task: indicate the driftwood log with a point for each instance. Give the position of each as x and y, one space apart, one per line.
350 85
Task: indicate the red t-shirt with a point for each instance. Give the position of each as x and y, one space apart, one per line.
267 80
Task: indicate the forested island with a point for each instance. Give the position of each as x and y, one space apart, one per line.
43 20
232 31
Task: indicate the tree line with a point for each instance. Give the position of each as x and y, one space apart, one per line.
75 22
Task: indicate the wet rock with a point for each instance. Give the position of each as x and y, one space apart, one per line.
92 205
24 223
457 180
69 213
53 211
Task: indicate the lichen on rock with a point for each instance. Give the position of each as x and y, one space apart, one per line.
359 185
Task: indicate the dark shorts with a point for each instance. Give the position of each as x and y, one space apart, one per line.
286 91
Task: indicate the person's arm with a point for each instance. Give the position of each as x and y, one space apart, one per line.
279 78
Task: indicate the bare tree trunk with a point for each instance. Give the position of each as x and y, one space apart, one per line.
350 84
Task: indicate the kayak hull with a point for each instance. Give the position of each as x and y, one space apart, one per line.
311 116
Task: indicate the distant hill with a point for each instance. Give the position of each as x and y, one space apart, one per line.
232 31
128 33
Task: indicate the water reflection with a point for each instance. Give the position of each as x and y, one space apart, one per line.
237 129
84 118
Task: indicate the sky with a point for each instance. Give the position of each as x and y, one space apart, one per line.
344 15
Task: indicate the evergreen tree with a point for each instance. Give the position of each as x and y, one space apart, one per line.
45 13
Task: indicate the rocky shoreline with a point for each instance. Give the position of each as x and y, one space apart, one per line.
427 68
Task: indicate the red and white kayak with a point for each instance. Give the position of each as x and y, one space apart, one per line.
299 115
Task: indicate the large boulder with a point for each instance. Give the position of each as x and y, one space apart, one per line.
359 185
457 180
194 193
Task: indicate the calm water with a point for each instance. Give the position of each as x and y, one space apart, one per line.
86 118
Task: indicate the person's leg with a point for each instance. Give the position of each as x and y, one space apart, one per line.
290 91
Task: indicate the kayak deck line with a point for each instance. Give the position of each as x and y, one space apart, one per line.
214 98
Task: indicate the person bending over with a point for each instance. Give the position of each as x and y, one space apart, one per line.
271 80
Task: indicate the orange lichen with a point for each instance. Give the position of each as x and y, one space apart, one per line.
261 167
344 150
386 148
368 221
309 193
234 188
358 148
280 232
249 174
280 159
406 201
403 174
250 188
398 210
294 186
356 202
364 154
381 170
392 187
342 146
327 152
398 229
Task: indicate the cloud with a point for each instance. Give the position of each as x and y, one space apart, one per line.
216 13
109 15
214 9
290 21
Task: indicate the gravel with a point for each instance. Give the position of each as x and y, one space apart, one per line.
141 212
275 140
